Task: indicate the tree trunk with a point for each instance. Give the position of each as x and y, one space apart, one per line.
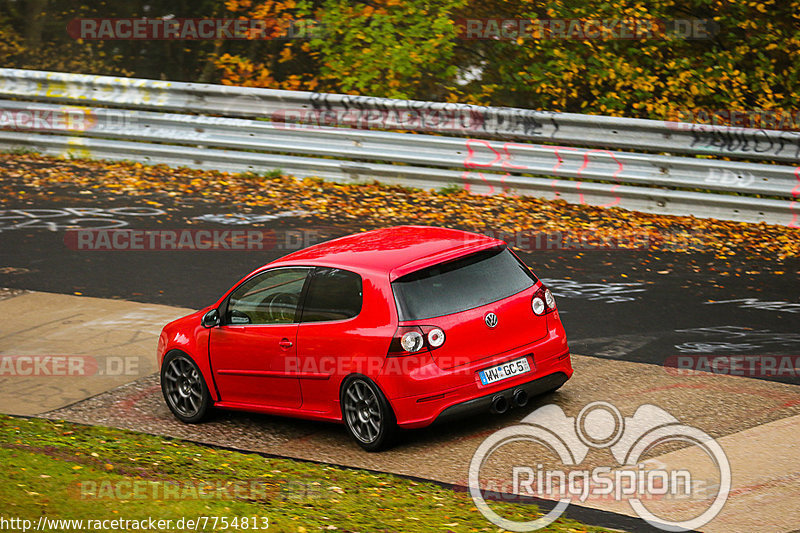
34 25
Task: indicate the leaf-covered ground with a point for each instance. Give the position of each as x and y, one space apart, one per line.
25 176
70 471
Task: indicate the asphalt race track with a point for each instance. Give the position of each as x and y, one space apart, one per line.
632 305
621 308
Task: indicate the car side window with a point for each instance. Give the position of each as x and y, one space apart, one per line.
267 298
333 294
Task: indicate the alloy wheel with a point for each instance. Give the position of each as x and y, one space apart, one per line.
363 411
183 387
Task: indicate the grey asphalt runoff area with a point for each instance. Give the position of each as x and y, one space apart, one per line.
757 421
103 310
632 305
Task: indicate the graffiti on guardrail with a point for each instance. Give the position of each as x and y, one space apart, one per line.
88 88
500 158
369 112
586 153
597 175
451 120
65 118
730 179
488 155
729 139
767 119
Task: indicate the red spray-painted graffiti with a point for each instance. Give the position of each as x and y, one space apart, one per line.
501 158
584 166
470 163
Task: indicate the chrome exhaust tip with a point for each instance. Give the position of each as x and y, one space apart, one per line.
499 404
520 398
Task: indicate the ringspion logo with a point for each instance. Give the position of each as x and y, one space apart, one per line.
600 425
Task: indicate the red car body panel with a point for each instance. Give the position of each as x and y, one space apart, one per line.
249 364
188 335
253 368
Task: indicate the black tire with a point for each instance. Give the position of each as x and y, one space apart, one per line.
184 388
367 414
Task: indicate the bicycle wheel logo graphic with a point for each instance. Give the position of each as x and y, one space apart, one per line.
600 425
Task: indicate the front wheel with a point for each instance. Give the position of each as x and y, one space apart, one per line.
367 414
184 388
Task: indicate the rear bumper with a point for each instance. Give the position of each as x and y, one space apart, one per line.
425 392
422 410
484 403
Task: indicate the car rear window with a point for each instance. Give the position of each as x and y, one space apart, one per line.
466 283
334 294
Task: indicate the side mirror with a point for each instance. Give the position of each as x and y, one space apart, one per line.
211 319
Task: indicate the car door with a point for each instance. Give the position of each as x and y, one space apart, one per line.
253 351
327 333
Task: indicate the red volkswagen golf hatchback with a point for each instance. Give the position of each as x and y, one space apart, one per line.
396 327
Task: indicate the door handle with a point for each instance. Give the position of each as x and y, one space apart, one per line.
285 344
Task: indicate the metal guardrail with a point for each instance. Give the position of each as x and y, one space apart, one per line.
202 126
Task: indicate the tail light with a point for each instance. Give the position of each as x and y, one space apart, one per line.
543 301
410 340
435 337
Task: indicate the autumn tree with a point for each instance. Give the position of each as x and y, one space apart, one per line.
389 48
279 57
749 60
380 48
417 49
33 34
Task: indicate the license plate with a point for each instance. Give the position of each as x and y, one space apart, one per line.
505 371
